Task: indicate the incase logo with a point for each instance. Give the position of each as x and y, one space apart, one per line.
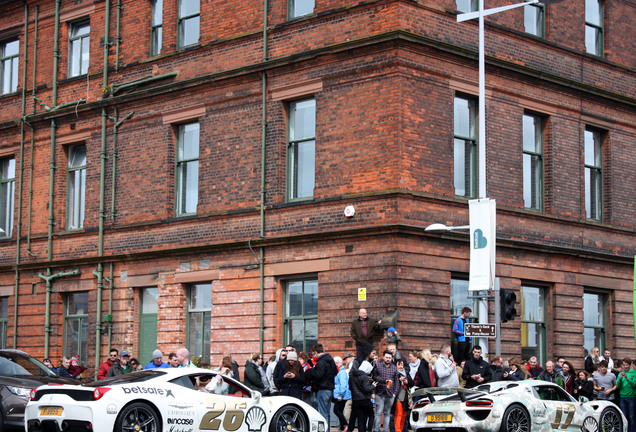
180 421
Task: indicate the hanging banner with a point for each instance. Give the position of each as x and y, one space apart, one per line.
482 219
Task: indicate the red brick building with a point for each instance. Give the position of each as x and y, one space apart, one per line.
175 172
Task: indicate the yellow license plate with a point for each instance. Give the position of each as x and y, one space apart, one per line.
439 418
51 411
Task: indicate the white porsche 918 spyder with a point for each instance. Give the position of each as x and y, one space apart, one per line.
166 400
512 406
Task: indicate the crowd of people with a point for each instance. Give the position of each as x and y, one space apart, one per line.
374 391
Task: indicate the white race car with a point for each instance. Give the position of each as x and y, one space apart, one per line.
170 400
512 406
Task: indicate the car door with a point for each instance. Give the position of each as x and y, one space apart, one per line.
562 409
215 412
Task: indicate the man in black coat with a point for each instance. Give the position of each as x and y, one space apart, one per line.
476 370
362 329
322 380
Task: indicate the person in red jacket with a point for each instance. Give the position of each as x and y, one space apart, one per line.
104 367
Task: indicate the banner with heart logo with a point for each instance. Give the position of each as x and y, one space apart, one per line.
482 219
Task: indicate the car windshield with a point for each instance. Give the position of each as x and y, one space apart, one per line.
19 364
132 377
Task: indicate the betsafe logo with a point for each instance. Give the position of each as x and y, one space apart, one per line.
479 240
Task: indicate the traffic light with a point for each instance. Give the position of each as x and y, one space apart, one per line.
507 303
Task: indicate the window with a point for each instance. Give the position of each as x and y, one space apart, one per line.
594 306
199 318
9 52
467 5
301 150
189 20
4 318
78 48
533 328
458 300
533 162
301 314
593 174
76 187
76 324
156 27
188 169
534 19
300 7
594 27
7 190
465 147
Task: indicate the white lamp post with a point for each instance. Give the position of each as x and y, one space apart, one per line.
481 13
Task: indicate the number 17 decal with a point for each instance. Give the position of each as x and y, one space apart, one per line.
562 408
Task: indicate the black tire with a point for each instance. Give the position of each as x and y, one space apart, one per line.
516 419
289 418
611 420
138 417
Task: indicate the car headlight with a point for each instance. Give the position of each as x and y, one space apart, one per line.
20 391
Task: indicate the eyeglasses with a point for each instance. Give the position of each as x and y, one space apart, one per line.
113 355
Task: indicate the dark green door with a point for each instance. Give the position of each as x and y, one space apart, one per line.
148 324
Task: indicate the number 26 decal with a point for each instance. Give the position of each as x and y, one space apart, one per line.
232 420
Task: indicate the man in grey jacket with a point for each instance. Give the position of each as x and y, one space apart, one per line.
445 369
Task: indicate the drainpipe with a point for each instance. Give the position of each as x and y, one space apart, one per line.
261 264
102 180
115 156
100 269
48 277
120 7
19 226
106 43
35 58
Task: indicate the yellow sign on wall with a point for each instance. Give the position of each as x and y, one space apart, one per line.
362 294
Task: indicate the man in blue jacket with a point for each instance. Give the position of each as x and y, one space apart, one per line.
463 342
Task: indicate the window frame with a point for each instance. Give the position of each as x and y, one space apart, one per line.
14 66
541 347
473 6
600 339
156 29
182 22
598 29
181 163
459 284
593 192
537 179
75 197
287 318
206 320
7 196
294 143
470 142
82 38
538 19
82 325
291 8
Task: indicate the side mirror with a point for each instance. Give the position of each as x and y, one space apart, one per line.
256 395
583 399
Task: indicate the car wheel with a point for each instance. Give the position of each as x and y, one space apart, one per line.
516 419
590 425
611 421
289 418
138 417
